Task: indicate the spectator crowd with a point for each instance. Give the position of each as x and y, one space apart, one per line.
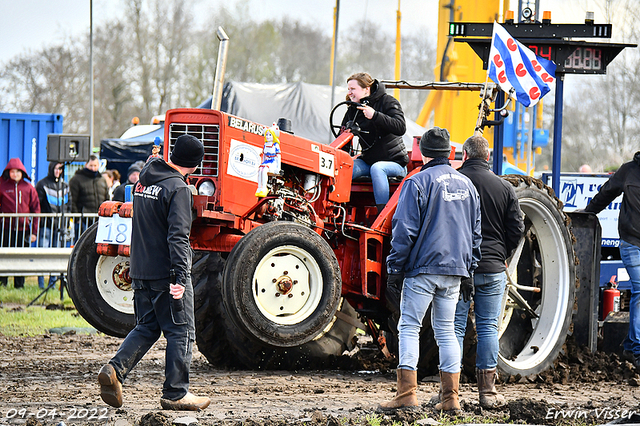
83 193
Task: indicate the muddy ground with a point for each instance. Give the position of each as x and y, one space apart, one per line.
52 378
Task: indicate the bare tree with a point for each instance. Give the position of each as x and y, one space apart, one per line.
418 61
155 58
50 80
115 104
367 48
599 122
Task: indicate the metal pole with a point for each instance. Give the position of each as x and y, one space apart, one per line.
335 56
530 138
91 89
498 141
396 92
218 85
517 137
557 135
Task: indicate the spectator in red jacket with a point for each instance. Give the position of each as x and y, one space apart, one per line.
17 196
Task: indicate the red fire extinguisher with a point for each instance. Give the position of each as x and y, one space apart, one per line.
611 298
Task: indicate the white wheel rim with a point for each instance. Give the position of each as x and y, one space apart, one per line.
556 284
117 295
280 267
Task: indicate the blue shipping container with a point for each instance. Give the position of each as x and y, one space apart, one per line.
24 135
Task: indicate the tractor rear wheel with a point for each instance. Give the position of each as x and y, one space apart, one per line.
206 275
540 301
541 296
100 287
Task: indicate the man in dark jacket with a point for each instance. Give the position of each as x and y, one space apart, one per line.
435 242
88 188
17 196
53 193
133 174
161 272
627 181
502 228
381 121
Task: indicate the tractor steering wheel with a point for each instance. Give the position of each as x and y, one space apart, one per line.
335 128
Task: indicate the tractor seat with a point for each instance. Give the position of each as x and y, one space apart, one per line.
391 179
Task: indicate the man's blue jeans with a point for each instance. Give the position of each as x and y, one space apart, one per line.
630 256
417 294
379 172
489 289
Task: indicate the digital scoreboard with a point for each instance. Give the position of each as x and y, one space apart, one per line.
550 42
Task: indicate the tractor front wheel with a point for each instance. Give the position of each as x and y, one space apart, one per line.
100 287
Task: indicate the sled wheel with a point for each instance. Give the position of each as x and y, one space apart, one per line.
281 285
535 323
100 287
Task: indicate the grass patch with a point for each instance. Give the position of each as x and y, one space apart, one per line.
23 296
18 320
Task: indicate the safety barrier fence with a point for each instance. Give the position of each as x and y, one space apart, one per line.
39 244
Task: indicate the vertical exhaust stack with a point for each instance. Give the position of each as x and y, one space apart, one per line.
216 98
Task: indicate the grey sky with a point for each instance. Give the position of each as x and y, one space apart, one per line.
34 24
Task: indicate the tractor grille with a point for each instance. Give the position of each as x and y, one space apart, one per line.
209 134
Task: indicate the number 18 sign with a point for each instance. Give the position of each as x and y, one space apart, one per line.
114 230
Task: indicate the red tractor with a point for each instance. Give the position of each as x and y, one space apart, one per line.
285 280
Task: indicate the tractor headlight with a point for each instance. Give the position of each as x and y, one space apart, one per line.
207 188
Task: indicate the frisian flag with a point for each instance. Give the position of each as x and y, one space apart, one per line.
512 65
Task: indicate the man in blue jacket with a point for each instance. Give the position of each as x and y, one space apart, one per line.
161 272
435 242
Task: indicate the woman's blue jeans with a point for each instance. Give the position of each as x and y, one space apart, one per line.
489 289
379 172
417 294
630 256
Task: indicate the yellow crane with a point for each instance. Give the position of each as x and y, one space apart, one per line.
458 111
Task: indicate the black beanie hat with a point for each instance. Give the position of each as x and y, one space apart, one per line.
135 167
435 143
187 152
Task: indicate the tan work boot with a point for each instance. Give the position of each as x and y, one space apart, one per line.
110 386
189 402
489 396
406 394
449 383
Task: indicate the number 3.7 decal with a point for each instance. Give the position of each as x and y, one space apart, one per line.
114 230
326 164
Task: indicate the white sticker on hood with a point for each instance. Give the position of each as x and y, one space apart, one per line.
244 160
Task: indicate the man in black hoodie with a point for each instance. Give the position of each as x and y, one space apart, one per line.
53 193
626 180
161 272
502 227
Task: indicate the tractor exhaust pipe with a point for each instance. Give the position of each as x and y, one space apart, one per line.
216 98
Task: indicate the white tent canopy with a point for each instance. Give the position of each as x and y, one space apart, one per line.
307 106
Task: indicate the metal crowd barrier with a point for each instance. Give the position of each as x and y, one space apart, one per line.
54 237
